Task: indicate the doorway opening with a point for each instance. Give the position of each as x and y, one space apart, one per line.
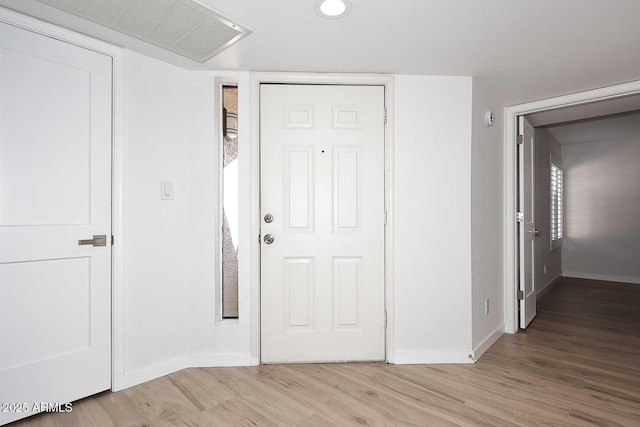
546 117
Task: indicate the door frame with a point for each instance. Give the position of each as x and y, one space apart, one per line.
258 78
510 184
117 55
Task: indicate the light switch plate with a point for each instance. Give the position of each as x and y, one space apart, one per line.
166 190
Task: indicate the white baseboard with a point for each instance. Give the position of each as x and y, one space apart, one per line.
605 277
220 360
488 342
139 376
547 287
429 357
206 360
391 358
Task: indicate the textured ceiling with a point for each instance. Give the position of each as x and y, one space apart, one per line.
529 48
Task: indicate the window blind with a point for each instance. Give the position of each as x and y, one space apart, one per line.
557 192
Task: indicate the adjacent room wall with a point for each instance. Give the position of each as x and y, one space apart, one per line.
602 204
432 219
547 259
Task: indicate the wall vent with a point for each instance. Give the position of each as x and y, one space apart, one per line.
181 26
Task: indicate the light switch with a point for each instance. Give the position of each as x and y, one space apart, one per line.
166 190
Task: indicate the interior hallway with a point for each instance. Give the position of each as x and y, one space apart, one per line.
577 364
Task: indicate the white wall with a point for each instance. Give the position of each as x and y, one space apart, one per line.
158 139
602 205
170 246
486 220
432 219
545 147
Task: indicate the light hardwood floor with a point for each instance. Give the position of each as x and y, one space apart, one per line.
577 364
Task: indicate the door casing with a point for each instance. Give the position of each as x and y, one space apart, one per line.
256 80
117 170
510 184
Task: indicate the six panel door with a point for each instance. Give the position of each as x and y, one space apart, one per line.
322 180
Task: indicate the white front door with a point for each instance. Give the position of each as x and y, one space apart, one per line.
322 183
55 189
527 226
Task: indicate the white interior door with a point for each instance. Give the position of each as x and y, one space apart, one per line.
322 180
55 189
527 226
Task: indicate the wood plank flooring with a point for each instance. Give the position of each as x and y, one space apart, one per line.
577 364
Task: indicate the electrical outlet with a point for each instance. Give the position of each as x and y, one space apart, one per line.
486 307
545 269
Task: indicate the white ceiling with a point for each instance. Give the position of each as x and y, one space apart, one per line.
533 48
612 128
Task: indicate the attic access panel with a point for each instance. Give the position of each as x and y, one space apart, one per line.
180 26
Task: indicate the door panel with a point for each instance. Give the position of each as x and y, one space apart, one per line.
55 189
63 199
27 284
322 179
299 289
527 227
346 188
298 190
346 291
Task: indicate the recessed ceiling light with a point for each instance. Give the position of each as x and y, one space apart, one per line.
333 9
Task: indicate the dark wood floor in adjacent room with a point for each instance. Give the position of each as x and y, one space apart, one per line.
577 364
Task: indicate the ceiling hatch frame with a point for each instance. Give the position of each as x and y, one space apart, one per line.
183 27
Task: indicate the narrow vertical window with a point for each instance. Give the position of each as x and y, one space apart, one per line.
229 202
557 207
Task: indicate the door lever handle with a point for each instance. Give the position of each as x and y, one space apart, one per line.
100 240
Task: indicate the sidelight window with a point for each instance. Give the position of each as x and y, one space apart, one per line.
229 190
